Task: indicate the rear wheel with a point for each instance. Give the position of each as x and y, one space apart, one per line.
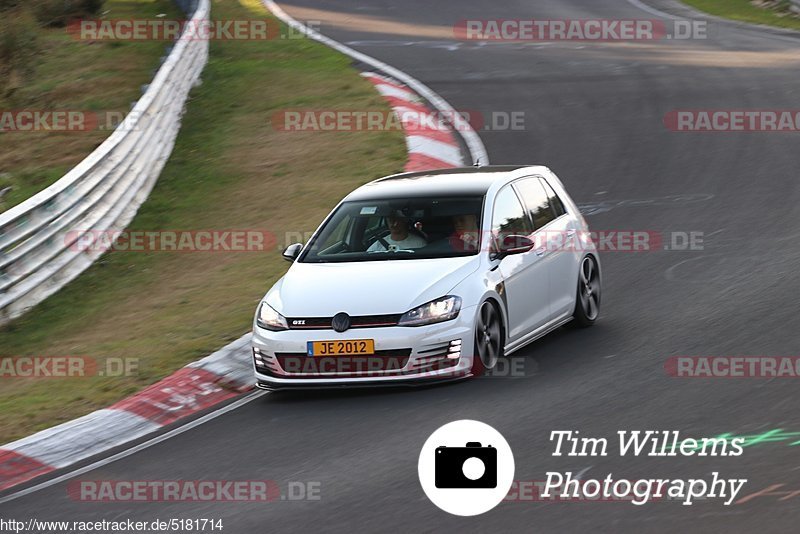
587 303
488 339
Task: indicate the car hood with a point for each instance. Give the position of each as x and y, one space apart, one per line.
366 288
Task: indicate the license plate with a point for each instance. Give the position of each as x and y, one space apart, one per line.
341 348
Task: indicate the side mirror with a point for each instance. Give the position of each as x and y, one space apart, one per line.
508 245
292 251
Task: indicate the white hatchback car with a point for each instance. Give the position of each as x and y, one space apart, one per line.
428 276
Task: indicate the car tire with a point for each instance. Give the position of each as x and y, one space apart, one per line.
587 302
488 339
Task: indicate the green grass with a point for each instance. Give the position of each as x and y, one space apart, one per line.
69 74
229 170
771 14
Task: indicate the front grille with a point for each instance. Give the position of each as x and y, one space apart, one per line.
324 323
382 363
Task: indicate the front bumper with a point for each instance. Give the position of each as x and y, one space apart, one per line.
409 356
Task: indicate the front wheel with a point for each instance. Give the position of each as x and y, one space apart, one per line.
488 339
587 304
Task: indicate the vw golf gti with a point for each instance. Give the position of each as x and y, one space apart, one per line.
428 276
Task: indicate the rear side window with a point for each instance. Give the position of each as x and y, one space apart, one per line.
509 216
555 202
536 200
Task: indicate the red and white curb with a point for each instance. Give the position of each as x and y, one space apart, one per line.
198 386
431 144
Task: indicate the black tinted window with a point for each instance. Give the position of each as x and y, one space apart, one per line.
536 200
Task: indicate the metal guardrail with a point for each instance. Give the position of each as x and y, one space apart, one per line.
38 255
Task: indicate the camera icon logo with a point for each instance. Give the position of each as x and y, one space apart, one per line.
464 476
472 466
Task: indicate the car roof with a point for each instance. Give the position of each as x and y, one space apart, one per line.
462 181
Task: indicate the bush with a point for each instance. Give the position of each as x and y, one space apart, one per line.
17 50
8 4
60 12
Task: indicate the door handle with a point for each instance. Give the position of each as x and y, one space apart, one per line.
570 234
540 251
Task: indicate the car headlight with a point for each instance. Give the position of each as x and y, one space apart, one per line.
435 311
270 319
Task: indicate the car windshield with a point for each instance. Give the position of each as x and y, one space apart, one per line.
399 229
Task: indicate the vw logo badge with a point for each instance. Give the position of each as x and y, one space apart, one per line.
340 322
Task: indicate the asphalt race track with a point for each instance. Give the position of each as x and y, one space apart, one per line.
594 114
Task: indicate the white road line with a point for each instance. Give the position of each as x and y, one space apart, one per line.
472 140
133 450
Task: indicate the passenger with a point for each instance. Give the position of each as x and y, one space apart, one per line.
467 234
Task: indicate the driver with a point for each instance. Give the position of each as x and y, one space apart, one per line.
399 237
